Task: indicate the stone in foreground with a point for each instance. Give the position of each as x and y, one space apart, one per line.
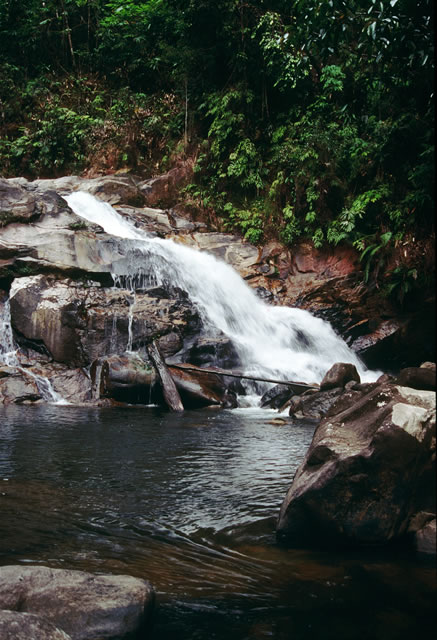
83 605
368 470
26 626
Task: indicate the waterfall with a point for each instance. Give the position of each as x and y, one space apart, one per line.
8 356
272 342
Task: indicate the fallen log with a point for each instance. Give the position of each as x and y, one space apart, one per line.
171 394
235 374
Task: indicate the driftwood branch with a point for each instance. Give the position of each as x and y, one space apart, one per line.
171 394
237 374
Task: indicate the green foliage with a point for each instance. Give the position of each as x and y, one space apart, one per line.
292 228
374 255
80 225
248 221
280 59
245 164
312 119
403 280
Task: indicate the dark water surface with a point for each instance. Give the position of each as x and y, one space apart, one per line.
189 502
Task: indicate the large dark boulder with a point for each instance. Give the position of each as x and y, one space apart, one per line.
368 470
277 396
313 405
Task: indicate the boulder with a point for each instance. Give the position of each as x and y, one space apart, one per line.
277 396
426 538
422 529
417 378
369 468
313 405
72 385
208 351
428 365
338 375
15 625
85 606
16 204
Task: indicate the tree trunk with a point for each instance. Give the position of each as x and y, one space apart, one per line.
171 394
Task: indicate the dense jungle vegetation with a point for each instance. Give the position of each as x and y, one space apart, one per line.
307 119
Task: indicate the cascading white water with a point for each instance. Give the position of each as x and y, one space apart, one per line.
7 347
8 356
272 342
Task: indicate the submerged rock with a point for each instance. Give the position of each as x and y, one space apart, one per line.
83 605
368 470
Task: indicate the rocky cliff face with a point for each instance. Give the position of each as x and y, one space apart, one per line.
66 313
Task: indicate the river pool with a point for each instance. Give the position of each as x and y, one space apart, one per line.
189 502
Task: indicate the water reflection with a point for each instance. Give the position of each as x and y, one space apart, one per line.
189 502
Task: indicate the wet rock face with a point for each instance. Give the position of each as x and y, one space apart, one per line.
368 470
163 191
83 605
80 322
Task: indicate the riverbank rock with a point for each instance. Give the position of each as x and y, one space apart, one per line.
369 469
417 378
83 605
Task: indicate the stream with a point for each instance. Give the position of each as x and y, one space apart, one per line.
189 502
